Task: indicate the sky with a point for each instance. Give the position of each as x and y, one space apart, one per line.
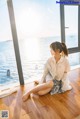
34 18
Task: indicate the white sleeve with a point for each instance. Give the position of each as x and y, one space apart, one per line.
46 71
67 66
67 69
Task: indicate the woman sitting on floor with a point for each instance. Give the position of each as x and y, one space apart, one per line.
54 79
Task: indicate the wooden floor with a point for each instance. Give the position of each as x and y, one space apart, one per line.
59 106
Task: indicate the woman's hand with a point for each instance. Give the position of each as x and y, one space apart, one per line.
36 82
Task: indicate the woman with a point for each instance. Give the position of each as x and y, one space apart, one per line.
54 79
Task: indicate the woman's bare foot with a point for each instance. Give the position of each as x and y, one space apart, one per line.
25 97
32 95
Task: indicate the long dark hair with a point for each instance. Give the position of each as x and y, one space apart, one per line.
59 46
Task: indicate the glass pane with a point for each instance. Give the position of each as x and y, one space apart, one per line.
38 25
74 59
7 56
71 26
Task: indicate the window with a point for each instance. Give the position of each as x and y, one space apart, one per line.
38 25
71 26
7 56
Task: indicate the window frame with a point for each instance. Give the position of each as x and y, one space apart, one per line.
62 23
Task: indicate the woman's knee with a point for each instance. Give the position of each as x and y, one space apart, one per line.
50 84
41 93
44 91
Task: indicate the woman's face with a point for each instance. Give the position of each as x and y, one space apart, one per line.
52 52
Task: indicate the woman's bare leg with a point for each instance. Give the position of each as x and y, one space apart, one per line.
45 86
43 92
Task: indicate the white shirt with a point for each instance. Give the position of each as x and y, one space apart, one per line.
57 71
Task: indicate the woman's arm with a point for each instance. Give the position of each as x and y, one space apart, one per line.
67 69
46 71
